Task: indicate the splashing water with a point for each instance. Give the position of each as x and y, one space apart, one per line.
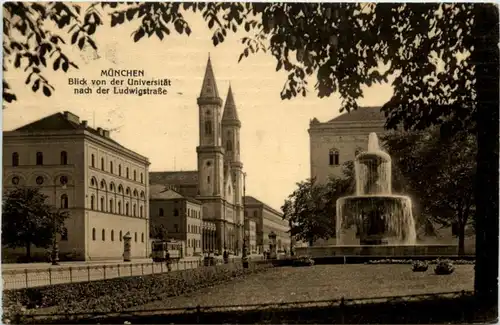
378 216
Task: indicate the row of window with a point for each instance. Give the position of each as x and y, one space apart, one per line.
194 229
195 243
112 187
111 169
255 213
39 158
40 180
120 236
190 213
111 207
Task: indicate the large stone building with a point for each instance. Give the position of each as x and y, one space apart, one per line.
180 216
218 181
102 184
251 236
337 141
266 220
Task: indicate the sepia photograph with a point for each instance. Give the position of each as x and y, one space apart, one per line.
250 162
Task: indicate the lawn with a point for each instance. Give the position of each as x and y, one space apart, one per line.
323 282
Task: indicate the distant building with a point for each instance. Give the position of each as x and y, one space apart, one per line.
266 220
180 216
102 184
251 235
218 181
337 141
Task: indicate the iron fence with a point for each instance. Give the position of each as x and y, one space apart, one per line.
28 278
197 311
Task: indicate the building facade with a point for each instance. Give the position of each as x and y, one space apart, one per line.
267 220
218 181
251 236
102 184
180 216
337 141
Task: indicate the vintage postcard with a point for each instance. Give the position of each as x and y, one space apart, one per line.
223 162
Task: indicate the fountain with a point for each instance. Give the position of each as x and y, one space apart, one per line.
377 216
374 222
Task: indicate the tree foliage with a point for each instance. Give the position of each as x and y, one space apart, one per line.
440 174
311 208
27 219
158 232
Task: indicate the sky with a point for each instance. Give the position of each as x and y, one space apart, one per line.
164 128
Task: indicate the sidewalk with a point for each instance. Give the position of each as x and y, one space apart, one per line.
35 266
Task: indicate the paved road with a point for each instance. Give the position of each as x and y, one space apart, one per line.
16 276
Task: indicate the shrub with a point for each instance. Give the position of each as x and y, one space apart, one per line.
303 261
444 267
420 266
118 294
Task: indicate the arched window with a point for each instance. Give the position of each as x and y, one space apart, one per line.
92 202
333 157
229 145
111 167
142 237
64 201
135 175
64 158
119 170
176 213
112 235
103 235
103 184
39 158
140 211
160 213
119 207
126 209
111 205
102 203
135 237
92 160
208 127
121 237
142 178
134 210
15 159
127 191
135 193
120 189
127 173
93 233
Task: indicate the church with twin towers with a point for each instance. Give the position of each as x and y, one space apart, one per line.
217 184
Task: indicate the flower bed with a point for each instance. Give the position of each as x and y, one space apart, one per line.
119 294
436 261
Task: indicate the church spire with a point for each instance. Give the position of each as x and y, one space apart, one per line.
209 87
230 112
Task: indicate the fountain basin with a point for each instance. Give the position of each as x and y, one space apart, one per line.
375 220
378 251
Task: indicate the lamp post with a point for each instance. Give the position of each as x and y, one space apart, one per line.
244 201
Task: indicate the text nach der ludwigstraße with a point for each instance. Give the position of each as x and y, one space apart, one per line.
120 82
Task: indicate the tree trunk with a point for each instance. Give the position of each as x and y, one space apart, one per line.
28 251
485 59
461 238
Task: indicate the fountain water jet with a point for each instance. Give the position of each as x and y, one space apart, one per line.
378 216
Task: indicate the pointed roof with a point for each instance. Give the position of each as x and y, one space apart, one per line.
230 112
209 87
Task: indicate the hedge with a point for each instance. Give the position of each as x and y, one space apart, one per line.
118 294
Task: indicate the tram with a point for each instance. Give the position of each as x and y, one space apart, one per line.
163 250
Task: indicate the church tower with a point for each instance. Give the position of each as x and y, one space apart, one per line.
231 126
210 151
